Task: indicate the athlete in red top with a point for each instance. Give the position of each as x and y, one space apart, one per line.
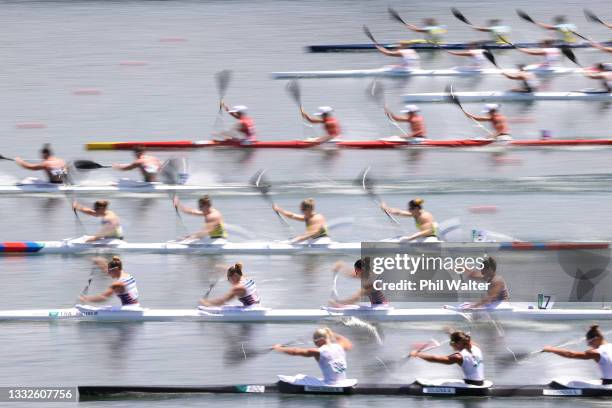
498 121
330 123
416 121
245 127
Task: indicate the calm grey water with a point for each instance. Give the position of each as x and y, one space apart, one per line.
52 49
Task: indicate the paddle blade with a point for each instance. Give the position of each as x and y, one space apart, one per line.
259 182
460 16
376 92
489 55
293 87
5 158
395 15
590 16
524 16
88 165
223 78
569 54
452 97
368 33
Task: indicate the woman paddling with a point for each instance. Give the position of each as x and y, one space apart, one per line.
213 227
111 224
425 223
316 226
124 284
600 351
243 289
467 355
360 271
330 353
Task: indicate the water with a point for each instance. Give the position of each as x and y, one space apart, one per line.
52 49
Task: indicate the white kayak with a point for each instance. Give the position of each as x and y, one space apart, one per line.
509 96
222 246
265 315
398 72
122 185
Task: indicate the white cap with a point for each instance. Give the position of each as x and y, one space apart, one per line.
490 106
410 109
324 109
238 109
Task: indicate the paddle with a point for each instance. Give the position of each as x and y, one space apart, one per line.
368 33
222 80
460 16
240 355
453 99
214 278
395 15
393 365
179 217
525 16
89 165
6 158
367 184
489 55
261 185
590 16
570 54
376 92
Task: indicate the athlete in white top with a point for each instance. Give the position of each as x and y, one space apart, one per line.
467 355
410 60
53 166
242 288
149 165
124 285
547 49
476 55
330 353
600 351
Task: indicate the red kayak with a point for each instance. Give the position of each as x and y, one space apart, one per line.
354 144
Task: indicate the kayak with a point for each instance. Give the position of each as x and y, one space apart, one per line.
509 96
398 72
426 46
393 142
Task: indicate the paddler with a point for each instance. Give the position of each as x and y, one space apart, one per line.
316 226
547 49
148 165
329 122
604 74
467 355
433 31
245 128
243 289
124 284
213 227
413 117
360 271
498 121
425 223
410 59
53 166
497 292
529 82
330 353
476 55
111 225
599 350
564 29
499 32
